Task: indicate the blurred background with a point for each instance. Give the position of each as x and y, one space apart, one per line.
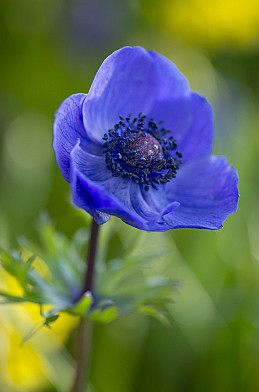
52 48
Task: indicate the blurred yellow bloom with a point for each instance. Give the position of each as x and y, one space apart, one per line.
208 23
23 365
40 361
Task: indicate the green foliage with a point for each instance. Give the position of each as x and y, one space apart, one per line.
51 274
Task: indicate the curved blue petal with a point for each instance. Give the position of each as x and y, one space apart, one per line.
82 198
190 121
67 129
207 192
149 211
172 83
129 81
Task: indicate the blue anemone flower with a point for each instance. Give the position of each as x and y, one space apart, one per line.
138 146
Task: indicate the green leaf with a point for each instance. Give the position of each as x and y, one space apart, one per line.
104 316
8 298
51 319
157 314
83 305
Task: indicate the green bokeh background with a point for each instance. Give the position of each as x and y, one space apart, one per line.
53 48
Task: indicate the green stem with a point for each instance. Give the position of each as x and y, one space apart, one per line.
85 326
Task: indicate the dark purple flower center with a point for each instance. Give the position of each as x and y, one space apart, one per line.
138 149
141 150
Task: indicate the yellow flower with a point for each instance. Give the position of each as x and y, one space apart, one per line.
43 359
208 23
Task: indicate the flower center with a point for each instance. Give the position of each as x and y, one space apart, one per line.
139 150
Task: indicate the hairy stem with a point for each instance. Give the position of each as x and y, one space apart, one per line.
85 326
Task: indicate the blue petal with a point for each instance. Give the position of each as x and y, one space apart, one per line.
149 211
82 198
130 80
190 121
67 129
172 83
207 192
